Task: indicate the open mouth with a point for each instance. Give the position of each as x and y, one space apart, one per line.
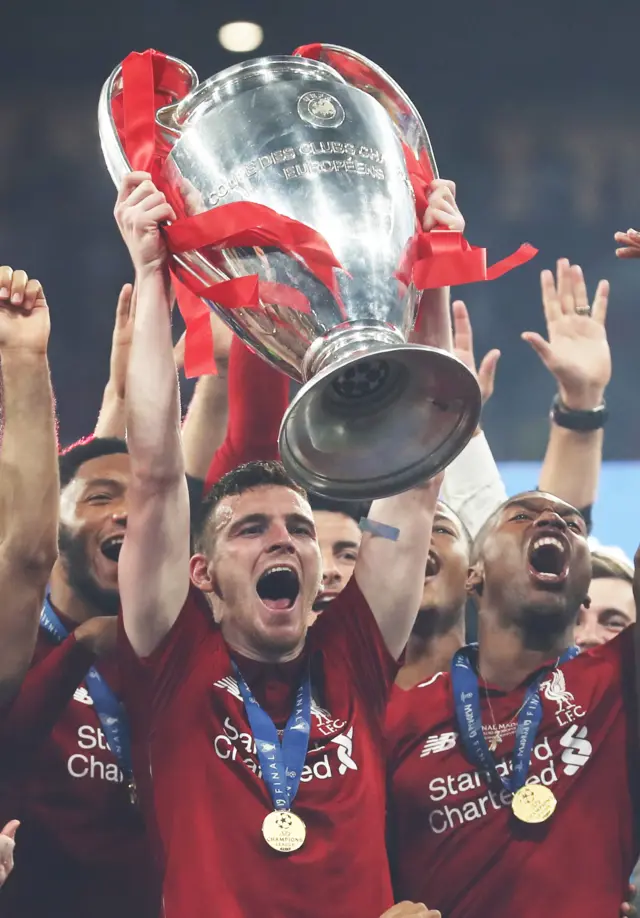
110 548
549 559
433 565
278 588
322 601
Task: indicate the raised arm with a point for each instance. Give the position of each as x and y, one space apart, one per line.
577 355
111 420
29 485
473 486
390 571
153 570
258 398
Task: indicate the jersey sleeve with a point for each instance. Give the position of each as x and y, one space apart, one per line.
47 689
149 684
347 631
258 397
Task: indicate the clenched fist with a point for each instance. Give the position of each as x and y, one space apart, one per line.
411 910
24 315
139 212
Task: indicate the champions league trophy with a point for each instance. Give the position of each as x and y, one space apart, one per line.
320 145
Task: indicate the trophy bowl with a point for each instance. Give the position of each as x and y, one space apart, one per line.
374 414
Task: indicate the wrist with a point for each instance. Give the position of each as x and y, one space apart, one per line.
581 398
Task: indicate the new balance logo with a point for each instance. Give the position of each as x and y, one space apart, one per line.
439 743
577 749
344 742
82 695
231 685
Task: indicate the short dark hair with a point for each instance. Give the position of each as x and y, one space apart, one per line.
70 459
356 510
257 474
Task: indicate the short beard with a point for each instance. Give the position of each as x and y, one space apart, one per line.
542 628
75 560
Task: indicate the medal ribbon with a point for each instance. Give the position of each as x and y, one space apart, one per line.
464 682
110 711
281 762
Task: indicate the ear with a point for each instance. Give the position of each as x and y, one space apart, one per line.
200 574
475 580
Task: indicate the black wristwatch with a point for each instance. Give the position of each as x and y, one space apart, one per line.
578 419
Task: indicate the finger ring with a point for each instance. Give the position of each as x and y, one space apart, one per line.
583 311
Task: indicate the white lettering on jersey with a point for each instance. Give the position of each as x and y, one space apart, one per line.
440 742
344 743
452 813
82 695
231 685
81 765
555 689
577 749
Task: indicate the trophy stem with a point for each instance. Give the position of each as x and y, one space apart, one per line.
347 343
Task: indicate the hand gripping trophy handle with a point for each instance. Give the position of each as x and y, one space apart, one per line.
315 143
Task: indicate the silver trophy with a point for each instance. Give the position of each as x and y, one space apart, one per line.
320 144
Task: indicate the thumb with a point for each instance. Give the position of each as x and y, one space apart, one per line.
487 374
11 828
540 346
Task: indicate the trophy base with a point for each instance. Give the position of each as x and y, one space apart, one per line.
379 423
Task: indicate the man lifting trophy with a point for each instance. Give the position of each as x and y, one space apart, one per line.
296 181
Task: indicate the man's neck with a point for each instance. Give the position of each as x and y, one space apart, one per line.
245 648
427 655
505 656
66 600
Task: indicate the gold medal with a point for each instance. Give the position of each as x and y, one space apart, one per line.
284 831
533 803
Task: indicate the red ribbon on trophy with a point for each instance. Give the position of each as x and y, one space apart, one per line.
437 257
236 224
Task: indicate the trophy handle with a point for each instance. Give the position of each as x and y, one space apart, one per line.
178 80
362 73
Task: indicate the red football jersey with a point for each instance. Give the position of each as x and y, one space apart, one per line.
200 778
81 848
455 843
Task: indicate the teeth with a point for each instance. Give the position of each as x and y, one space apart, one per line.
549 540
280 567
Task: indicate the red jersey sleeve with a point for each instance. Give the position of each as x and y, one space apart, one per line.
47 689
347 631
258 397
150 683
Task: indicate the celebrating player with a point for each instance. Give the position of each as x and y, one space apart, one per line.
514 778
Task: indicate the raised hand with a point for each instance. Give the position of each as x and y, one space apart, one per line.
577 352
121 340
442 210
140 210
629 244
7 844
463 349
24 314
411 910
